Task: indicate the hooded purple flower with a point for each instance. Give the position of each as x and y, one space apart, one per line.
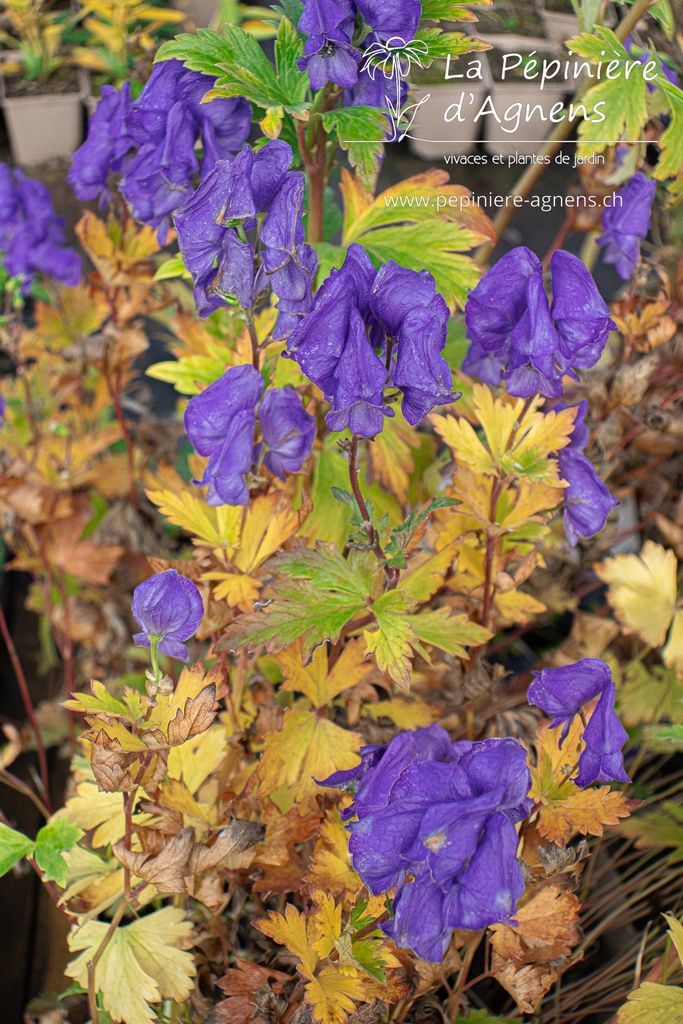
32 236
562 692
587 501
104 151
436 819
220 423
604 736
517 337
328 54
367 330
625 225
390 19
169 609
233 197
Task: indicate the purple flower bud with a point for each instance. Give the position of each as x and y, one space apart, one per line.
604 736
587 502
388 18
288 431
516 337
104 151
169 608
624 225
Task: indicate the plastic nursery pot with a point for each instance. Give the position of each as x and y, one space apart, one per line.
523 129
202 13
560 20
41 128
445 121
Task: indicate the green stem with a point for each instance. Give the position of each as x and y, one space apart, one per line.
153 642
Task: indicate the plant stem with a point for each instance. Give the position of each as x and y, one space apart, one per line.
92 966
20 787
253 337
368 528
489 586
562 132
28 707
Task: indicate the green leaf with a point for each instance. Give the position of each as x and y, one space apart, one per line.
623 100
403 534
442 44
448 632
55 838
652 1004
361 132
391 642
172 267
671 142
100 700
240 67
316 594
289 46
436 10
13 846
661 828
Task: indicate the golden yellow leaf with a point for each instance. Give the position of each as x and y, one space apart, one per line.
391 456
195 759
325 924
92 809
95 880
239 591
330 866
642 590
545 432
546 928
174 716
144 962
675 932
183 505
518 606
426 572
269 522
313 679
653 1004
332 992
307 748
497 417
291 931
463 441
403 712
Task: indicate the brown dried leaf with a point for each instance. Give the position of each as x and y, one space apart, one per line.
528 984
546 928
197 716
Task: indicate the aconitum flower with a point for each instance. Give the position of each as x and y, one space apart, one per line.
436 819
369 330
626 224
328 54
255 191
105 149
516 336
32 236
562 692
169 609
220 423
587 502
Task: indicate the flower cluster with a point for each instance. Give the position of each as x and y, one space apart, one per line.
437 820
367 330
168 608
516 336
626 223
152 141
220 422
562 693
587 502
32 236
329 55
255 192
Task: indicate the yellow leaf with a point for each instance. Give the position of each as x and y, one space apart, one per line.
268 523
92 809
391 457
325 924
195 759
544 432
518 606
192 683
642 591
331 994
426 573
653 1004
307 748
144 962
290 931
466 446
673 652
403 712
532 499
313 679
497 417
239 591
330 868
96 881
183 505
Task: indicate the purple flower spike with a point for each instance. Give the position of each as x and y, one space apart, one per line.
562 692
288 431
604 736
626 225
169 609
587 502
518 338
104 151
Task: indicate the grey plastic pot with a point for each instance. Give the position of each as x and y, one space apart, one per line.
202 13
431 134
41 128
559 27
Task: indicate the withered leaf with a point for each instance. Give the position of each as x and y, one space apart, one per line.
529 983
245 987
198 715
546 928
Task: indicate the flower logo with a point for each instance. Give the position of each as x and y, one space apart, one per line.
393 59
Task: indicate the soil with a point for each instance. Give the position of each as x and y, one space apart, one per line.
519 18
64 80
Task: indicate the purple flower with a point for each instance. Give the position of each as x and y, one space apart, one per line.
624 225
104 151
562 692
368 330
169 609
223 263
604 736
32 236
436 819
517 337
587 501
288 431
390 19
328 54
220 423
